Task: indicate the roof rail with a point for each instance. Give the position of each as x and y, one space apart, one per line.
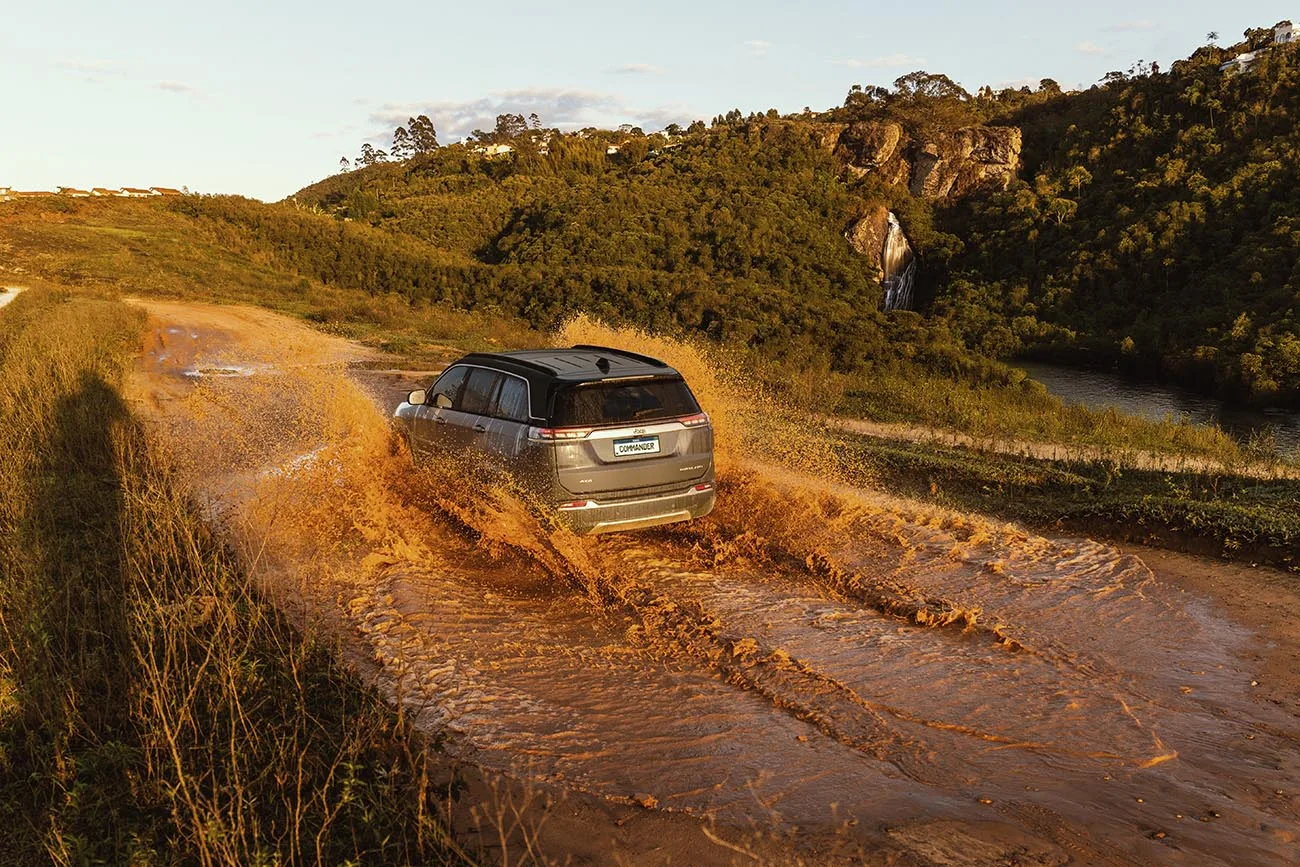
512 359
646 359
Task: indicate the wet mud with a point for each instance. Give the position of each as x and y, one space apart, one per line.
814 660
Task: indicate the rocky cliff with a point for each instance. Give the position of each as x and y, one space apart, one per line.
948 166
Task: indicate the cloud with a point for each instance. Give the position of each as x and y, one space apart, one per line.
557 107
757 47
1089 48
1130 26
178 87
93 70
638 69
890 61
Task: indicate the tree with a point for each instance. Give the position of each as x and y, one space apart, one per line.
1212 37
510 126
933 86
370 155
401 144
345 164
534 121
423 138
697 126
1078 177
673 129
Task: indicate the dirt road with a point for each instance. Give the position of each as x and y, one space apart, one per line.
813 673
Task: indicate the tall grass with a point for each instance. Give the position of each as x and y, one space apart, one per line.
154 709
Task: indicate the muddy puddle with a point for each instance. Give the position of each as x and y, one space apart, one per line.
812 658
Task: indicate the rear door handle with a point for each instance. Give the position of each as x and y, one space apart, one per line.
440 420
480 428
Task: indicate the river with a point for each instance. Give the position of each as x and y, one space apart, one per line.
1157 402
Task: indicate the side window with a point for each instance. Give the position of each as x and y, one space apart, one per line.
480 391
449 383
512 403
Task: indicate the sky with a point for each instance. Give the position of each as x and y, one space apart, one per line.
263 98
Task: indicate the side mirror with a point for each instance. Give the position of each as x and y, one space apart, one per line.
416 398
442 401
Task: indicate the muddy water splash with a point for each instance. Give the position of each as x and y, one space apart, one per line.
811 655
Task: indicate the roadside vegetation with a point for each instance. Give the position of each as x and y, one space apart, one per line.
154 707
1217 511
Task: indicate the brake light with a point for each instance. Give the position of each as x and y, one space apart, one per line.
559 433
704 487
576 504
695 420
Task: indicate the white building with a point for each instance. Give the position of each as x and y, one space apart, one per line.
74 192
1283 34
493 150
135 193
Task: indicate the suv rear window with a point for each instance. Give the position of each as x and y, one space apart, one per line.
603 403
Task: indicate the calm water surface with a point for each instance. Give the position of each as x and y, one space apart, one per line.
1157 402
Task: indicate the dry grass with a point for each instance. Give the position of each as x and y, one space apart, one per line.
154 709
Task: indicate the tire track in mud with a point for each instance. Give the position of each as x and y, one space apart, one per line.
674 626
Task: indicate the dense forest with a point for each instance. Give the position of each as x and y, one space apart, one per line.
1156 228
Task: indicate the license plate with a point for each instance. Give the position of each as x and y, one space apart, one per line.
636 446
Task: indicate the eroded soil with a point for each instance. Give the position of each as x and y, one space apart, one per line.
815 672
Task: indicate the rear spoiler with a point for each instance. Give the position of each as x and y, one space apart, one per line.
644 359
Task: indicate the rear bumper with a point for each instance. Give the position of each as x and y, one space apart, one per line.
597 517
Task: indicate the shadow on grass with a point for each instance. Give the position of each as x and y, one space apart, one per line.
69 741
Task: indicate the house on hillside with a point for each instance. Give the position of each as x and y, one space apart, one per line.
611 150
32 194
135 193
493 150
74 192
1241 63
165 191
104 191
1284 34
4 194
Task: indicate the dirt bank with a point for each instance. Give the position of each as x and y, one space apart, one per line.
815 672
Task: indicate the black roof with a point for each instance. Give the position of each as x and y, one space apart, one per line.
545 369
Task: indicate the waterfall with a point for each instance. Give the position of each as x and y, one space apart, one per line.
898 265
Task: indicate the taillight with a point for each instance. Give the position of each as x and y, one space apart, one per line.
558 433
695 420
576 504
703 487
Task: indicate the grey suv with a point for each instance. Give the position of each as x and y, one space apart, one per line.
611 439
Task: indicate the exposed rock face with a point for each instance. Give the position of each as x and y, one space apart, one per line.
876 148
953 165
867 235
976 157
